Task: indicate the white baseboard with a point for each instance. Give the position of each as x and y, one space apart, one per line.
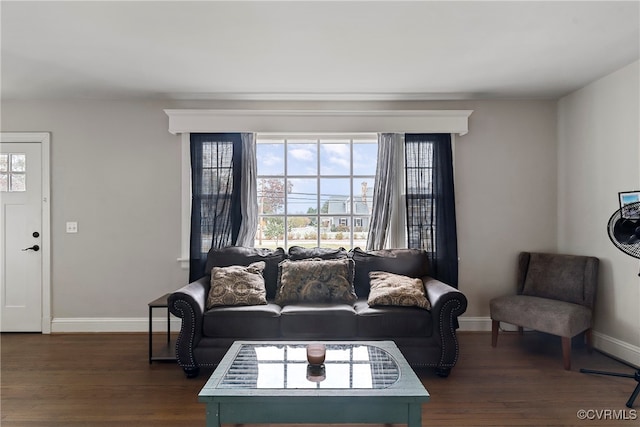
615 347
604 343
112 324
474 324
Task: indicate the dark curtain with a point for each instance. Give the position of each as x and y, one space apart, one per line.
431 211
215 195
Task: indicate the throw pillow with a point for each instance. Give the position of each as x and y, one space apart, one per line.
316 280
237 285
407 262
394 289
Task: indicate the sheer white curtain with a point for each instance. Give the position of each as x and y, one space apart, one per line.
248 192
383 190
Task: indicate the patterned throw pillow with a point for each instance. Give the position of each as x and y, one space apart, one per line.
316 280
237 285
394 289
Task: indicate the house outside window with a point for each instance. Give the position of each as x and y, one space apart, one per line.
315 190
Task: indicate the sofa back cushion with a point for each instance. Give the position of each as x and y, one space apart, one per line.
407 262
238 255
297 253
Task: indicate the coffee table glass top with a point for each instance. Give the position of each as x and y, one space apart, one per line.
285 366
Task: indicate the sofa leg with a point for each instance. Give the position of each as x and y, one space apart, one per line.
191 372
495 325
566 353
443 372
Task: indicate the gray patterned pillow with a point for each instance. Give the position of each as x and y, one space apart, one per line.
237 285
394 289
316 280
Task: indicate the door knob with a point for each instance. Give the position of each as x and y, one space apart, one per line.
34 248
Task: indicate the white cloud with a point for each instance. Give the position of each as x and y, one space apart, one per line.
302 154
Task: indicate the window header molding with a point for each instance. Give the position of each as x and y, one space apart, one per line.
318 121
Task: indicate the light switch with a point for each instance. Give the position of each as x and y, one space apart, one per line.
72 227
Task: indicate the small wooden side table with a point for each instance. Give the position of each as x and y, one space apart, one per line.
168 351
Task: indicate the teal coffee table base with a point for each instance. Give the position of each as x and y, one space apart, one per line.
398 400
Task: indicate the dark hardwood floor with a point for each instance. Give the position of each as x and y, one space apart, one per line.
106 380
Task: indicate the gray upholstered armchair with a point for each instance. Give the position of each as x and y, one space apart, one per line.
555 295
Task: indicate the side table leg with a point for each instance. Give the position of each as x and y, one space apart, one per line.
168 326
150 336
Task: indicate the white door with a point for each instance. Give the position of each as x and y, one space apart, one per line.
21 236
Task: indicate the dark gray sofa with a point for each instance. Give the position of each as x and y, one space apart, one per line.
427 338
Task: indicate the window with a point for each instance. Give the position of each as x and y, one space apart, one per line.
315 190
13 172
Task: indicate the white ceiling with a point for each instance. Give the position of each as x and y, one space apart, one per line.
312 50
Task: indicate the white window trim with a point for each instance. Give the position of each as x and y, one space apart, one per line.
187 121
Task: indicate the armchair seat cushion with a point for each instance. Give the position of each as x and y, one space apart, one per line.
541 314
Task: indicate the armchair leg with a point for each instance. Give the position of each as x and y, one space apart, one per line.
566 352
495 325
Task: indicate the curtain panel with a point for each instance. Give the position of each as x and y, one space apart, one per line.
383 191
430 200
216 213
248 192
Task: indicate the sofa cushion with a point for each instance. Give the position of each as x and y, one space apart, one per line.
389 322
237 285
408 262
397 290
238 255
297 253
316 280
248 321
318 321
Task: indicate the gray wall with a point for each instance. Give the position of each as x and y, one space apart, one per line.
599 155
116 170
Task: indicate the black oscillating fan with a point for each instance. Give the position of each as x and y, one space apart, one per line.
624 232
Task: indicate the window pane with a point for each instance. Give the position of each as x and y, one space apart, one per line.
365 157
302 158
18 162
335 197
360 231
271 195
303 196
302 231
4 162
335 159
270 158
270 232
363 196
18 182
317 201
4 182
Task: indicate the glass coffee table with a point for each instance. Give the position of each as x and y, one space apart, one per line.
360 382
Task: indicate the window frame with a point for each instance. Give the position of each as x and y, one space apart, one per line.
317 140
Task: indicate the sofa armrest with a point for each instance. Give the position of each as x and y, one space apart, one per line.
447 303
188 303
